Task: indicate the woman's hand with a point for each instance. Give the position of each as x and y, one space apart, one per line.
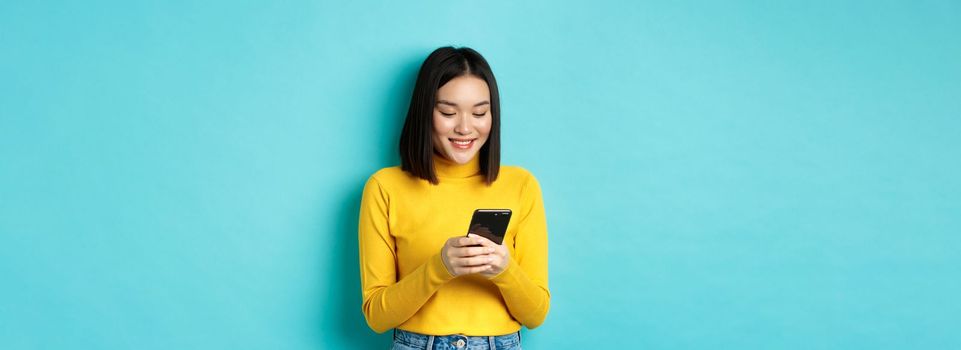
499 256
463 256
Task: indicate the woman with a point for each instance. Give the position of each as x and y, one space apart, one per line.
420 274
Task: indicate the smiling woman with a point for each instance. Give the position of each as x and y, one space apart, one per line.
460 125
452 85
420 275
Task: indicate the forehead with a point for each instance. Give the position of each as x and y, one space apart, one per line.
464 90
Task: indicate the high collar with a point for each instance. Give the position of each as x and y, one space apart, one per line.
446 168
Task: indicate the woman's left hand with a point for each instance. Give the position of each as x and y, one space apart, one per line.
498 259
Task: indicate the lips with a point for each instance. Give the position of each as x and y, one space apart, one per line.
462 143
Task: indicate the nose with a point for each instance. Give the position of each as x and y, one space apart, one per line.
463 126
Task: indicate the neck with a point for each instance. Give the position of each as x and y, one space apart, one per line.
446 168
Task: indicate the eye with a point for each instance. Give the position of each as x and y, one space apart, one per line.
480 115
448 114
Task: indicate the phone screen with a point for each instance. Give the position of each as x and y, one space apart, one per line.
490 223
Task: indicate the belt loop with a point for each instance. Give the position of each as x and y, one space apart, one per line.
490 339
430 342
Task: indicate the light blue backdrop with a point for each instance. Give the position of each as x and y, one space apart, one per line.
717 175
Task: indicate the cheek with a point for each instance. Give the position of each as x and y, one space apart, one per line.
483 126
441 125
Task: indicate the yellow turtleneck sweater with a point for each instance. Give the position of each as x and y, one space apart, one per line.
404 223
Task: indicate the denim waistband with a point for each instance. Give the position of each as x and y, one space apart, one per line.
456 341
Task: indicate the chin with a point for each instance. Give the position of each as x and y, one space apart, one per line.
461 158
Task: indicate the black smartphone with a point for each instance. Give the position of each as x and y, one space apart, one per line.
490 223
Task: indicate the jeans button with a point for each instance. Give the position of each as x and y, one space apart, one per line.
459 343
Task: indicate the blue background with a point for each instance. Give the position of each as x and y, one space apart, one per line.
717 175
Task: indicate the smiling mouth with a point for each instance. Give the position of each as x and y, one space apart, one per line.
462 143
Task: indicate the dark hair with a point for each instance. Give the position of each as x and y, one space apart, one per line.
416 145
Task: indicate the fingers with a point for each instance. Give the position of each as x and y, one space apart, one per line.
464 241
472 254
474 261
484 241
487 243
474 269
478 269
468 251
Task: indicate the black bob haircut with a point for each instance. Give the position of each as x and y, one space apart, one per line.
416 143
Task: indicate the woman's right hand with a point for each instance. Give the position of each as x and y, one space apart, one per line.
464 256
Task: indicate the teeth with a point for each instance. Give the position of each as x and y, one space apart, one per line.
465 143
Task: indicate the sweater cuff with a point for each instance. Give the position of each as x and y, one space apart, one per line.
437 272
507 277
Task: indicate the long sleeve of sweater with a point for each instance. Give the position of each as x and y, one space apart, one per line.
387 301
524 283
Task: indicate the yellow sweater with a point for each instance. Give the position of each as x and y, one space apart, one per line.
404 223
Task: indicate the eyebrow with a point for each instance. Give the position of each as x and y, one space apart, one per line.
445 102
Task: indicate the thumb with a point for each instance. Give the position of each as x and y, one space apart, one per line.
484 241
